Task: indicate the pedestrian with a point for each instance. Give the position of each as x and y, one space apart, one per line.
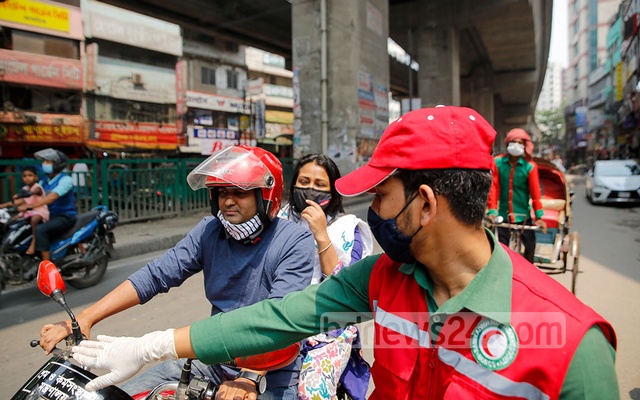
246 255
516 182
456 315
341 240
60 199
557 161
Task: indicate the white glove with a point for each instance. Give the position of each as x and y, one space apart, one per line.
123 356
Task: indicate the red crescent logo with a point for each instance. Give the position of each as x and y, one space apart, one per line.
487 342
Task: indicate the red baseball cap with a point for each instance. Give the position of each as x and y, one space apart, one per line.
428 138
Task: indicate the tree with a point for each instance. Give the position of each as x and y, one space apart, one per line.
552 126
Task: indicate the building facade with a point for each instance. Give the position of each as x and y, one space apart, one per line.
589 22
270 93
41 77
130 88
551 94
211 78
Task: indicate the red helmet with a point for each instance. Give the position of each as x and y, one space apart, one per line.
246 168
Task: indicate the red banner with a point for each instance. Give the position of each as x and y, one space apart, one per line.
141 135
41 133
39 70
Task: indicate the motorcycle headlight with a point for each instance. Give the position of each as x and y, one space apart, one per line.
109 220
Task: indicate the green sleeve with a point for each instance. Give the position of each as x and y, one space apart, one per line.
269 325
592 373
539 214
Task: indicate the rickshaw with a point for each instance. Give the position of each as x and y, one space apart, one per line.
558 250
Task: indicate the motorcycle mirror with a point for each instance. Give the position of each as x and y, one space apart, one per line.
49 279
269 361
51 284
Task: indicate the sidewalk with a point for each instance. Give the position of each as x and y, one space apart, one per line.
146 237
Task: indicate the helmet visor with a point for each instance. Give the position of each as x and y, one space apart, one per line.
233 166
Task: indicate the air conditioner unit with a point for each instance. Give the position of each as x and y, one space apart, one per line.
137 79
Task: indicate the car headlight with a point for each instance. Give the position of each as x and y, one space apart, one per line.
599 185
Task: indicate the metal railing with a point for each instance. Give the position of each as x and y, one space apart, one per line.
137 189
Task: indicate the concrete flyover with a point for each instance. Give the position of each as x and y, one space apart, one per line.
490 55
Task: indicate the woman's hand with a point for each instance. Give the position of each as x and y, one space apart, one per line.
317 220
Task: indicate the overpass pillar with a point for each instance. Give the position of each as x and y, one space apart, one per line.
341 78
437 51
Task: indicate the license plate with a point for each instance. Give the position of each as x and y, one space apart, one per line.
624 195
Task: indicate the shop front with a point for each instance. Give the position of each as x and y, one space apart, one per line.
214 122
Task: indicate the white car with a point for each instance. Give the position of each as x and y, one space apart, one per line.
613 181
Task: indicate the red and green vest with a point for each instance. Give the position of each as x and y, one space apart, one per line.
474 356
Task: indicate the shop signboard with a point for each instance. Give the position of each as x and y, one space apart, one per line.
278 91
137 135
90 62
118 25
619 83
41 133
39 70
208 140
254 86
216 102
279 117
35 13
259 118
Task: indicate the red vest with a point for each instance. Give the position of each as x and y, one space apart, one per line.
475 357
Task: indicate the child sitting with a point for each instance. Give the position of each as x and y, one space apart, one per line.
37 214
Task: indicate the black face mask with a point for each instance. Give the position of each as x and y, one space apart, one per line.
394 243
301 194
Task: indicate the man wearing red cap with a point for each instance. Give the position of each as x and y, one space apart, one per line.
515 181
456 315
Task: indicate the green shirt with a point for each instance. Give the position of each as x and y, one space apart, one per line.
512 188
344 298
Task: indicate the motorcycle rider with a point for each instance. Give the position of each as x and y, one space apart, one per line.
60 198
37 214
245 253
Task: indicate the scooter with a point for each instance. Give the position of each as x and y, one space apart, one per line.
81 253
62 377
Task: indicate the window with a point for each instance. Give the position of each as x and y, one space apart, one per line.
232 79
35 43
43 100
208 76
128 111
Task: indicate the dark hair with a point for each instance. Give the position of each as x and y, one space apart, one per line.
466 190
30 168
335 205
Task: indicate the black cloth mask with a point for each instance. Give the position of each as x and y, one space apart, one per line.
300 195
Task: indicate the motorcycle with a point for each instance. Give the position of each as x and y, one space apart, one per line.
62 377
81 253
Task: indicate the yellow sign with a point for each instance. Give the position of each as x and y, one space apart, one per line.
619 83
279 117
33 13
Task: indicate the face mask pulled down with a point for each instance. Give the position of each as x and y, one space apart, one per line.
246 230
394 243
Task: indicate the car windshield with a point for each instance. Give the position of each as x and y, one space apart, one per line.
617 169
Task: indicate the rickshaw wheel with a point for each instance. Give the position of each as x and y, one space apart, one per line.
575 254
